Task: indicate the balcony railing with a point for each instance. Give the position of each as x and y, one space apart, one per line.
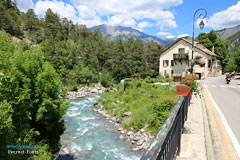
180 56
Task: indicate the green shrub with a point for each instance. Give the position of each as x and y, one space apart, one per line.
149 103
139 119
106 79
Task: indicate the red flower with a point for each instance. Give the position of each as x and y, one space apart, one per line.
189 94
190 76
194 76
188 81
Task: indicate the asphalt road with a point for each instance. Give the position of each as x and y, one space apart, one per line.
227 97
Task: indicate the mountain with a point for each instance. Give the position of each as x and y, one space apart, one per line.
231 34
112 32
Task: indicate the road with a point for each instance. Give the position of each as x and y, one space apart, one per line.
227 97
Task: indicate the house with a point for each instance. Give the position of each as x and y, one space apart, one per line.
175 60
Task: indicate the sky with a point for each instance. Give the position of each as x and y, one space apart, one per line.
161 18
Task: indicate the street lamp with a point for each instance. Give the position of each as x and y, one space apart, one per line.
201 25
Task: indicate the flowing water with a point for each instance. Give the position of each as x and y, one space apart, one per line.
90 137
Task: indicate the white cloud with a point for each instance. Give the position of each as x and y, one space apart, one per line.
170 37
227 18
24 5
160 34
144 24
121 20
167 24
182 35
126 12
64 10
116 12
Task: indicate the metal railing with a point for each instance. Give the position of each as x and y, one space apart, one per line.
180 56
167 142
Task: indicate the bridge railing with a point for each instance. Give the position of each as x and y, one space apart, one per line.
167 142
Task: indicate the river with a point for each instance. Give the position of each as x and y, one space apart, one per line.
91 137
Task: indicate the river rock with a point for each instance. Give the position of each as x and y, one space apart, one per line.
142 130
136 138
146 139
122 132
131 137
140 142
120 129
65 151
127 113
138 134
130 133
136 149
145 145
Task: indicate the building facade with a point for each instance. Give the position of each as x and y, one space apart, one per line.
175 60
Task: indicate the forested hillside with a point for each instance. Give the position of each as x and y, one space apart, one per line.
111 32
41 59
233 35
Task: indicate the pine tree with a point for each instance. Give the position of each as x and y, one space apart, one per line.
10 18
52 26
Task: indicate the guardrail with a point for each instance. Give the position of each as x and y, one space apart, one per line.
167 142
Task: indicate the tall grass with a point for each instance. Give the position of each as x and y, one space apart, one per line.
149 103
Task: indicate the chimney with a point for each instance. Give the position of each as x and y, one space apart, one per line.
212 49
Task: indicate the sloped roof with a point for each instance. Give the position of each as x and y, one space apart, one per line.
196 45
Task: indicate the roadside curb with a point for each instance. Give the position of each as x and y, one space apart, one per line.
207 131
223 145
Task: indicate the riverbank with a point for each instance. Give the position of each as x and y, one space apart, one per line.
139 140
86 91
89 135
138 108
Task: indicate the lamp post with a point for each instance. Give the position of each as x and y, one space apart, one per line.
201 25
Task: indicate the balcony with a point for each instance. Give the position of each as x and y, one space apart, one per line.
180 56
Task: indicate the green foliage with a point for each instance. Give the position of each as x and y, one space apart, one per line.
106 79
144 99
6 50
160 112
233 63
221 46
52 26
32 27
10 18
30 91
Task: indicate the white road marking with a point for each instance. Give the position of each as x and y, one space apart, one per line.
213 86
234 140
222 86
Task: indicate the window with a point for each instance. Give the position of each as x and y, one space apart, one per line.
165 63
181 50
172 72
172 62
209 63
